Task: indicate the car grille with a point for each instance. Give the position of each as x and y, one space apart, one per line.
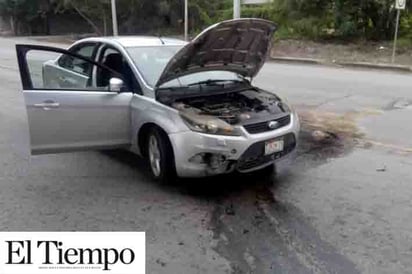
255 156
263 126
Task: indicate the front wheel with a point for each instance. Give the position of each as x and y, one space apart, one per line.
160 156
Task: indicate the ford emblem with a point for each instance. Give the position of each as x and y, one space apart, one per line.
273 124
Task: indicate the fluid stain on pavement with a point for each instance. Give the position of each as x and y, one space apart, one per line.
326 135
258 234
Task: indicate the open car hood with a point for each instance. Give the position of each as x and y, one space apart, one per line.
239 45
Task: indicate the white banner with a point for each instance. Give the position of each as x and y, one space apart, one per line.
72 252
400 4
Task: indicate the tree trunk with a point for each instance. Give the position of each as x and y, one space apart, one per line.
47 24
13 25
88 20
47 18
104 23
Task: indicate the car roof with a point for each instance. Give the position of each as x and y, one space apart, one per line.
137 41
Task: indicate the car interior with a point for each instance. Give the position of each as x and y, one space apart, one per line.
114 60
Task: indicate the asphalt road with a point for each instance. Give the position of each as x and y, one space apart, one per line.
342 206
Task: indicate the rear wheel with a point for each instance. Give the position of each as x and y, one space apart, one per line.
160 156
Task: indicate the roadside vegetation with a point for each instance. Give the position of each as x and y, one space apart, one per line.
361 24
310 19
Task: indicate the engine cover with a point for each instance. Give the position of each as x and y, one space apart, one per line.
234 107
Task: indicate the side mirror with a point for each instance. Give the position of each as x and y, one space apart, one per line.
116 85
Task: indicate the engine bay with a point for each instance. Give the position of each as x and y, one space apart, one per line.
233 107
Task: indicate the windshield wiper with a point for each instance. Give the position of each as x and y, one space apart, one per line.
215 82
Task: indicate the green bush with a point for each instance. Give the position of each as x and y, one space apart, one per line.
405 28
311 19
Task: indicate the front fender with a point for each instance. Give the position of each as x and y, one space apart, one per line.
146 110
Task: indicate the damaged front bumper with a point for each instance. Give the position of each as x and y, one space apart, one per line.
200 155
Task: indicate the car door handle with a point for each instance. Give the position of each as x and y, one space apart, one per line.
46 105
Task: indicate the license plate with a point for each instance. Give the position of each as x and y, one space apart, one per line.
273 146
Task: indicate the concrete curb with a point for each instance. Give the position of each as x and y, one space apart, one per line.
298 60
392 67
380 66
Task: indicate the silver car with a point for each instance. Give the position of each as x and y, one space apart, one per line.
189 108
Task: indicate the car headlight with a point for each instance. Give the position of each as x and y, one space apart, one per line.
209 125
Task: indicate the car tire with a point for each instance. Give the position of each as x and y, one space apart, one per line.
160 157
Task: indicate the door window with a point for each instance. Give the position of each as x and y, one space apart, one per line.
76 64
41 69
113 59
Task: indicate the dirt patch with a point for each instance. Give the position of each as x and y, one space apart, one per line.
373 52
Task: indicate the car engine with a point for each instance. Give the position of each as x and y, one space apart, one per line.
234 107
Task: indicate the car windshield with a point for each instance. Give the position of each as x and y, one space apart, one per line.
151 61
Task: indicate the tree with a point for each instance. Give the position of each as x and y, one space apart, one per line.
92 11
19 13
316 19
